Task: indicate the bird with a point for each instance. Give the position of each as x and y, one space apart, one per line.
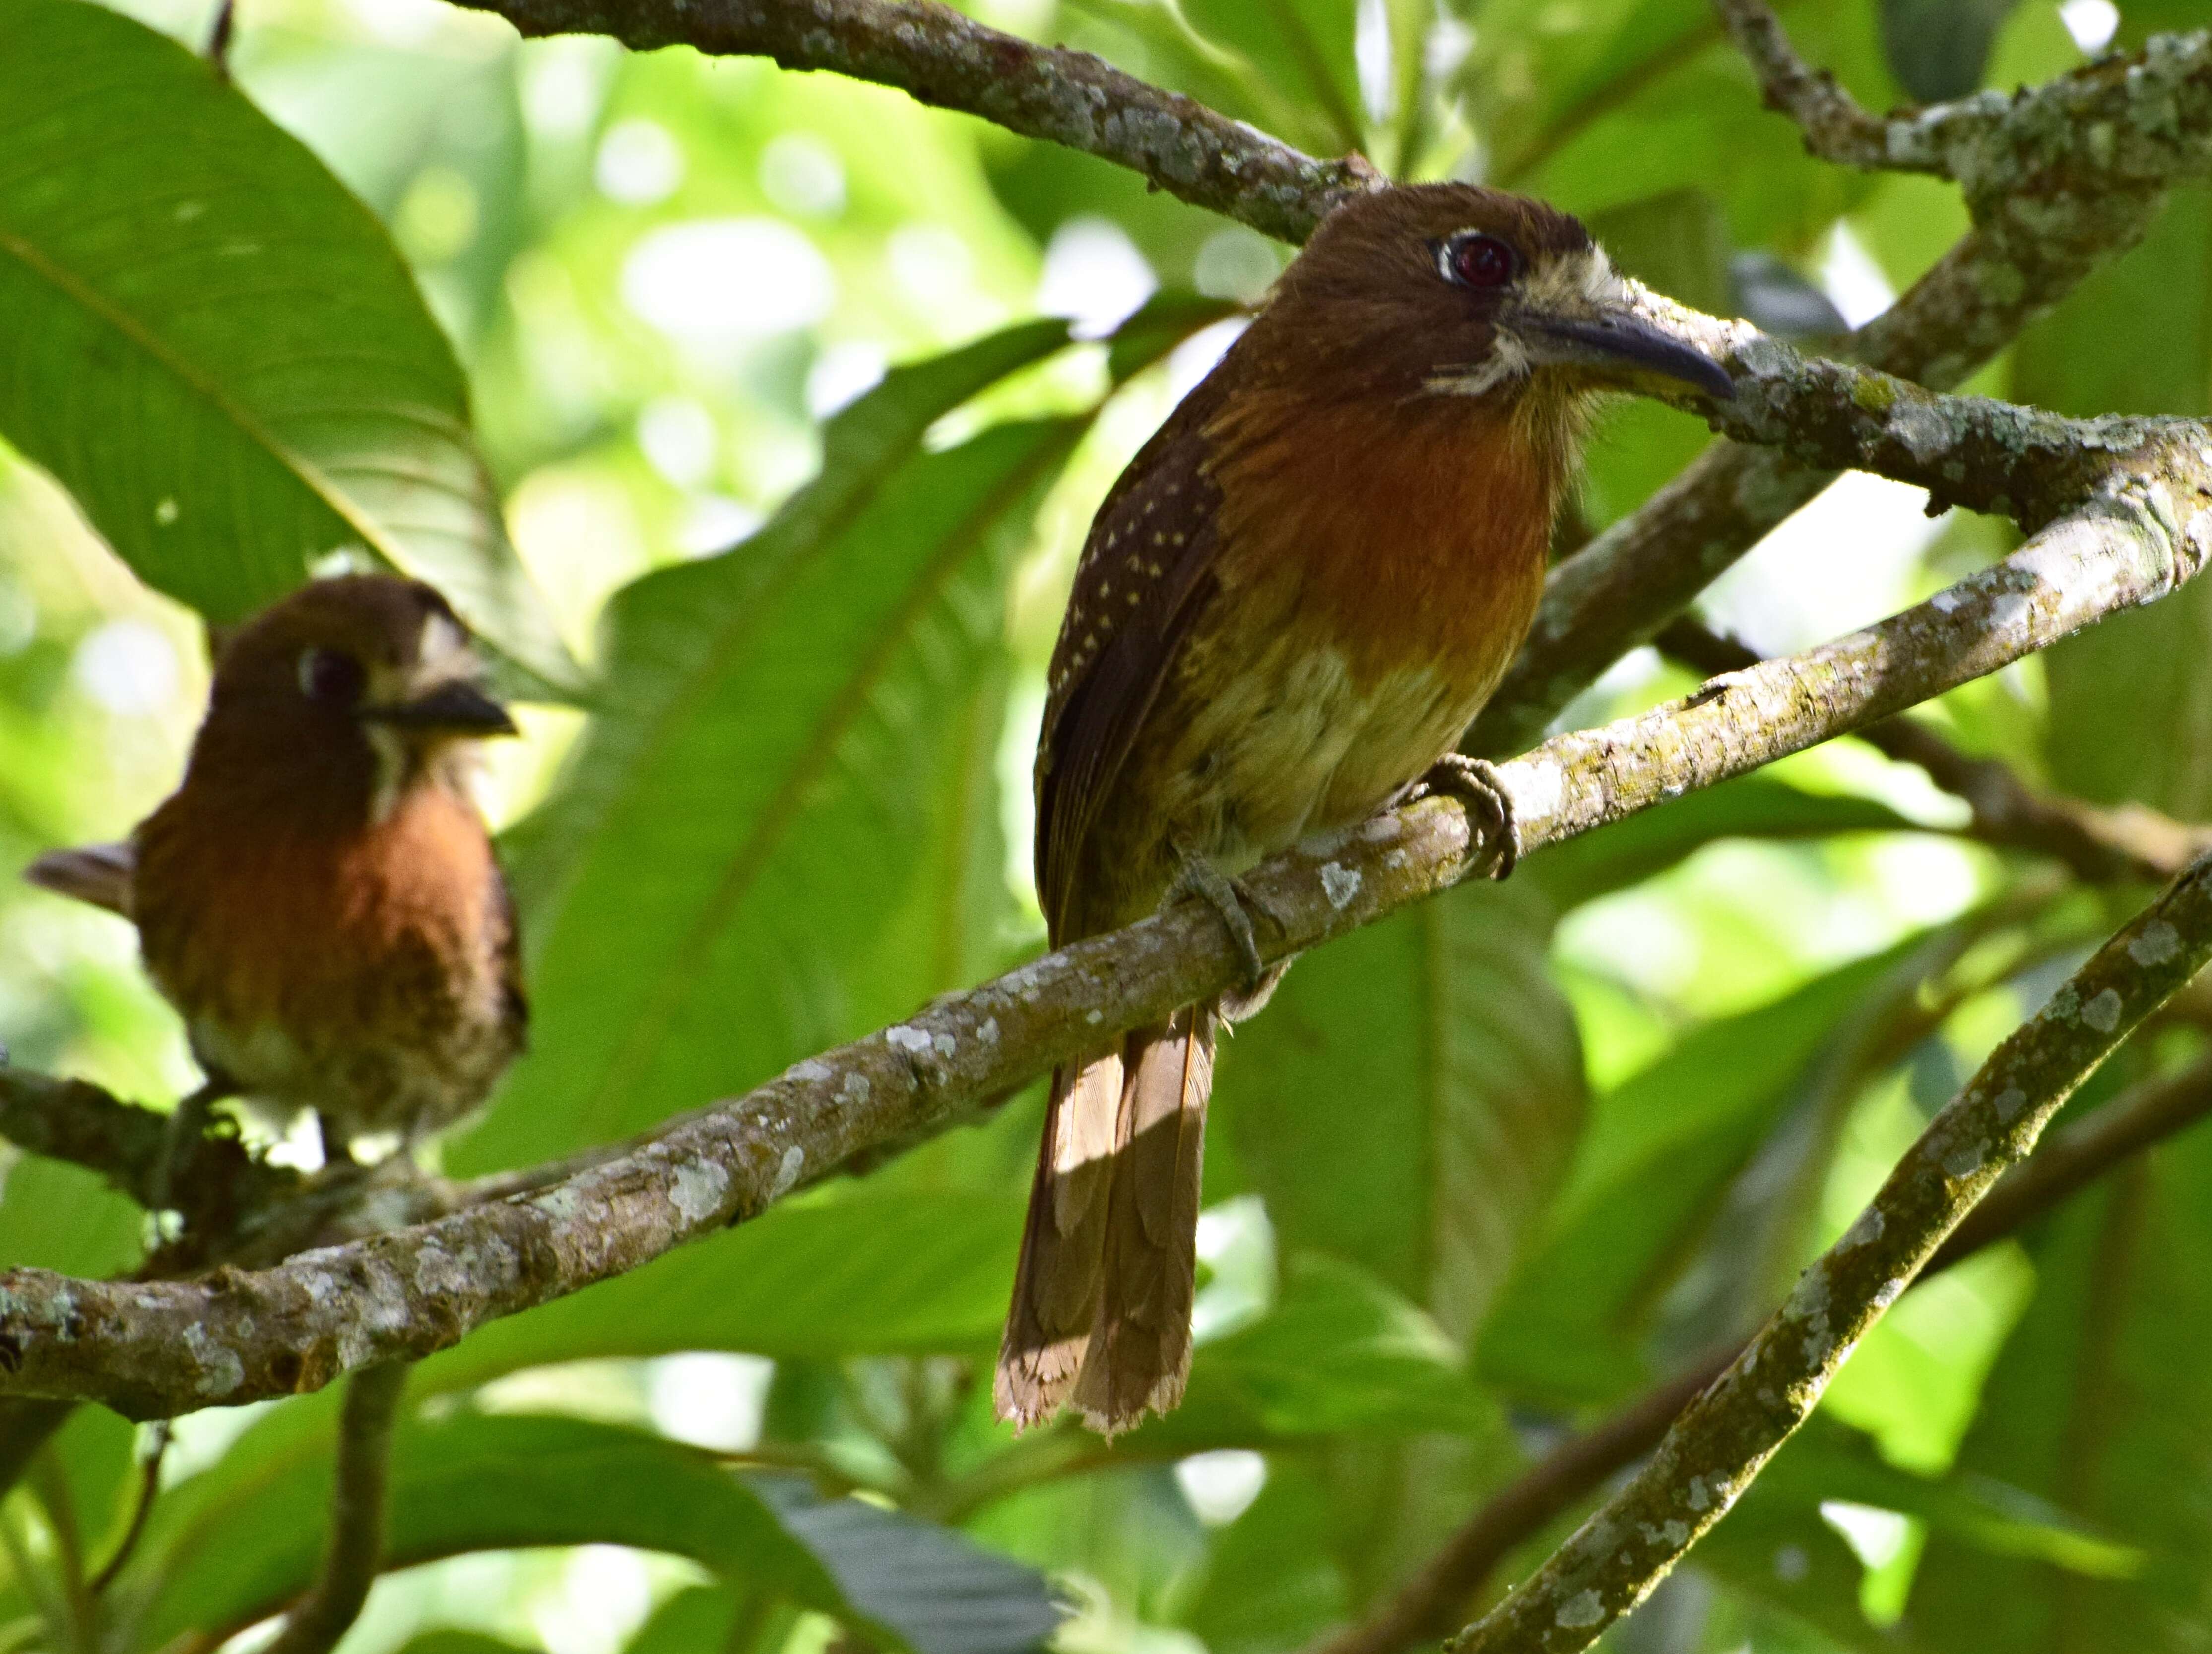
1287 610
319 898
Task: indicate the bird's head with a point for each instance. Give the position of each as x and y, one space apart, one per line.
370 680
1454 290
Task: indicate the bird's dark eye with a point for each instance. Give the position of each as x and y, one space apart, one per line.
331 677
1475 260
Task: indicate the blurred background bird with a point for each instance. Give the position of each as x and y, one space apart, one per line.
1294 601
319 900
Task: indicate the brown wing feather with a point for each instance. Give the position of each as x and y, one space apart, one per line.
1145 576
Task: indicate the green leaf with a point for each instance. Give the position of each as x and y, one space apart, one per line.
1659 1149
938 1592
1412 1097
237 1544
1938 49
1340 1353
1302 49
783 727
450 1639
1753 806
1269 1584
1645 98
862 1272
58 1216
2099 1407
216 349
2135 338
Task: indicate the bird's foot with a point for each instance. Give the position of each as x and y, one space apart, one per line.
338 1143
1236 903
1476 784
180 1140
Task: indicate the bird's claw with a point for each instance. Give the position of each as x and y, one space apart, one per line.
1234 902
1476 784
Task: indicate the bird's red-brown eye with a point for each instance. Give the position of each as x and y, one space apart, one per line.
1475 260
331 677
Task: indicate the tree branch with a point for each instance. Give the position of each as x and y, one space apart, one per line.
2098 844
1727 1433
1430 1602
2062 180
153 1348
941 58
1836 128
355 1546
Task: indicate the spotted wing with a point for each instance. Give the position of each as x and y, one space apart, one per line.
1145 575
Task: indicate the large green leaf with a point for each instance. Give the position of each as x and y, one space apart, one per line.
1412 1096
237 1544
866 1272
783 727
1339 1355
216 349
1753 807
1269 1584
1661 1147
1645 97
2100 1406
58 1216
2136 338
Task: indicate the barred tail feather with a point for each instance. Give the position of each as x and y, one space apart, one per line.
1102 1294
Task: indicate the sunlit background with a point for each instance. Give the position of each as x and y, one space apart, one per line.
663 272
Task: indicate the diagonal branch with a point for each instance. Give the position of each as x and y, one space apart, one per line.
152 1348
2098 843
1432 1601
1721 1441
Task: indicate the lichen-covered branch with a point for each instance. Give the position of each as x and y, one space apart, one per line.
152 1348
2062 180
938 56
1432 1601
1836 128
2097 842
1727 1434
354 1547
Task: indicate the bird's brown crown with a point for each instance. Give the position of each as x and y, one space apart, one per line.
333 644
349 690
1454 289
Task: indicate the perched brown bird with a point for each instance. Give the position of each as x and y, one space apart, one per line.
1289 607
319 900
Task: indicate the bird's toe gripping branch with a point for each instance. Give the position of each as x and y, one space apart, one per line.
1236 903
1477 785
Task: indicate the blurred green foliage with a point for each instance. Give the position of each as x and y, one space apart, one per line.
732 405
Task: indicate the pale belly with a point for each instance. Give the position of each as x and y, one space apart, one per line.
1292 743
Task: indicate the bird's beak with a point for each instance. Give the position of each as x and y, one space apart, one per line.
1621 348
453 707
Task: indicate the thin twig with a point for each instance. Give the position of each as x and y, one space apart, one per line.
2128 841
149 1488
1721 1442
1431 1602
1836 128
355 1548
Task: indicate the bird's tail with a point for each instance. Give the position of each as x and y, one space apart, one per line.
1101 1315
101 875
